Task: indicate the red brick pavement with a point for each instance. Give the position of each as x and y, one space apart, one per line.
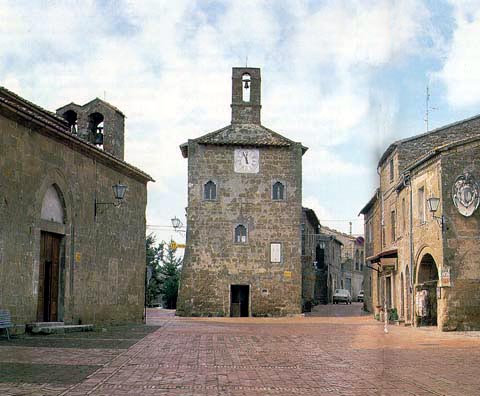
334 351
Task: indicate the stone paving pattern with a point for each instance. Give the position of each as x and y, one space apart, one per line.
334 351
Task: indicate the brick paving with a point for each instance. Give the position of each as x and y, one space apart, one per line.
333 351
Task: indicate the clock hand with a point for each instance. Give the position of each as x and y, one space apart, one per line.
245 155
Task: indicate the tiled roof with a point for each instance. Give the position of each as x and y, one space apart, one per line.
243 135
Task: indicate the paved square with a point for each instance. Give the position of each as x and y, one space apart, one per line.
332 352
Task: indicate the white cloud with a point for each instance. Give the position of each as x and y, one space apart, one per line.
325 162
461 70
329 219
167 66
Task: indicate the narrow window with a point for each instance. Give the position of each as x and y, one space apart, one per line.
278 191
240 234
246 87
369 224
421 204
404 215
393 223
303 239
384 242
210 191
391 170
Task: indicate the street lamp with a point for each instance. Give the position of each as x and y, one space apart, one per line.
119 191
433 203
177 224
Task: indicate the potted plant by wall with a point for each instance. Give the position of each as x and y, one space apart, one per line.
393 315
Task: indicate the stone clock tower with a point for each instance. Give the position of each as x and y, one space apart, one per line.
243 254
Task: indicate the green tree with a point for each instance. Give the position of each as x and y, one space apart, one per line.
152 284
169 276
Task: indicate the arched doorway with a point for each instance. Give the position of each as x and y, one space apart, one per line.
426 292
51 263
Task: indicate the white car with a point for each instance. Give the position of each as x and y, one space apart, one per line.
342 295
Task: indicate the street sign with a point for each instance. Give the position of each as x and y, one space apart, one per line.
174 245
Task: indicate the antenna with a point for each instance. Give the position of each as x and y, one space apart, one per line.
428 108
246 61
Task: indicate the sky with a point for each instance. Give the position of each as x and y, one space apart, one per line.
345 78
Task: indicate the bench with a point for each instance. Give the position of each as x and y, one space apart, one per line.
5 321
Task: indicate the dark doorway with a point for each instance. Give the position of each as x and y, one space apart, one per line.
239 302
426 292
388 291
48 277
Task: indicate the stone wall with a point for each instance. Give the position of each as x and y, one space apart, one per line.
462 243
213 261
102 257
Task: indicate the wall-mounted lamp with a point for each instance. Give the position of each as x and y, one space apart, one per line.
119 191
177 224
433 203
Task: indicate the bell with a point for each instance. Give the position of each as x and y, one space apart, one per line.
99 139
246 86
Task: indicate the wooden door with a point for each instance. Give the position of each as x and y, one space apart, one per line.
47 307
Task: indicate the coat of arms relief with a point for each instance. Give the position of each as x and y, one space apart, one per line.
465 194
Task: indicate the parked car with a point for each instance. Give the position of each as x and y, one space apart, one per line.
342 295
360 296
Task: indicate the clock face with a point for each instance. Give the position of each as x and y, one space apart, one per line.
246 160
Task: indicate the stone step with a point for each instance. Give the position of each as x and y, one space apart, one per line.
45 324
60 329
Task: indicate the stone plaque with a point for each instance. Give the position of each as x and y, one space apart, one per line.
445 275
275 252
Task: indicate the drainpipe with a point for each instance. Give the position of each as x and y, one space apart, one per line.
407 181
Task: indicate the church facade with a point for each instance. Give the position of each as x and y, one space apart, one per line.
67 254
243 242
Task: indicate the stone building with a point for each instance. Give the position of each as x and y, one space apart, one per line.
351 260
425 262
329 267
243 244
310 250
372 227
66 254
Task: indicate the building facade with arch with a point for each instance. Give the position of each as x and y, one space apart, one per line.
66 253
422 230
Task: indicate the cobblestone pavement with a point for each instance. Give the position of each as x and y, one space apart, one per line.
332 351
